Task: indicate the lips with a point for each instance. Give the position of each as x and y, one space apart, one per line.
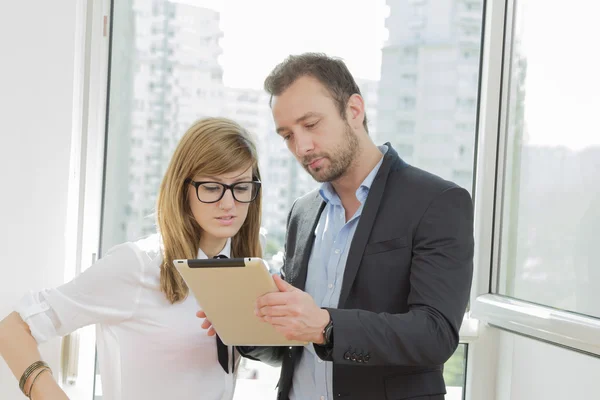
315 163
225 220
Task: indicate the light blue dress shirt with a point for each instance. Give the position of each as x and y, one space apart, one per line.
333 235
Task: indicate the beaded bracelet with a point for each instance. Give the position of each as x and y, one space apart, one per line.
43 369
28 372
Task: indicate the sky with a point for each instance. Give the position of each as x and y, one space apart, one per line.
562 88
258 34
562 85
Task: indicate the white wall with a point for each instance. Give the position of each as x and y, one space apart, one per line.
37 42
532 370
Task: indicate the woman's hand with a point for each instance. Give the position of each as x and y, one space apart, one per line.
206 324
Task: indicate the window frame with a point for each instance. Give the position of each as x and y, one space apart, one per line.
536 321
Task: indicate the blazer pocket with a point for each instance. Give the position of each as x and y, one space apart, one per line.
386 245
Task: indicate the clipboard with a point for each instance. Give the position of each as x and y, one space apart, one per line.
226 289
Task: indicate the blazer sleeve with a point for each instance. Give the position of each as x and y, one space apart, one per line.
269 355
440 280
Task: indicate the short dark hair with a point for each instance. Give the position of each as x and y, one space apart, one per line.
329 71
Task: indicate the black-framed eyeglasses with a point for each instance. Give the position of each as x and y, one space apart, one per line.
211 192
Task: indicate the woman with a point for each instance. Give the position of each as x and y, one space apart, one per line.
150 344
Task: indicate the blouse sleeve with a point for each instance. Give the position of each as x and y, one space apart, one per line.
107 292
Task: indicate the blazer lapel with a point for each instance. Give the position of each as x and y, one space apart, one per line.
365 224
305 238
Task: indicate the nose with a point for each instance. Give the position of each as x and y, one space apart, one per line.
227 202
304 143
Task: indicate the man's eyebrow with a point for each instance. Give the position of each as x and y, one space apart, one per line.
306 116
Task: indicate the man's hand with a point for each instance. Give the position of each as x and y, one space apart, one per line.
293 313
206 324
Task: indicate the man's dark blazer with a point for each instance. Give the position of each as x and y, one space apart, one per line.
405 289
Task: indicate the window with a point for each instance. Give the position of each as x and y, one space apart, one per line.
410 80
408 103
406 127
551 200
405 150
461 177
470 54
410 54
455 373
466 103
197 75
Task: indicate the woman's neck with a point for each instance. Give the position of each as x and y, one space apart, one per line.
211 246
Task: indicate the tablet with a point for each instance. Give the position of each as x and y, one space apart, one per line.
226 289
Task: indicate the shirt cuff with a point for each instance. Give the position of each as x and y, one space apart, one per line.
36 313
325 353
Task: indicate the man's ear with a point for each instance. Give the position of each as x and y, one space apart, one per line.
356 111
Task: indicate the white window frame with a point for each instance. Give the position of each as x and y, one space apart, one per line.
482 358
86 179
561 328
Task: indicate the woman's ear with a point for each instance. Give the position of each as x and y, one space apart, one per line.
187 210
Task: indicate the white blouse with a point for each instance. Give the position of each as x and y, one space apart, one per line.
148 348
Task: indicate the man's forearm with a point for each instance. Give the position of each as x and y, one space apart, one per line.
421 337
269 355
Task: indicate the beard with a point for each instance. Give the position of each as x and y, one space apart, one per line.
340 159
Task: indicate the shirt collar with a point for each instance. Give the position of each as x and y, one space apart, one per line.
226 251
328 193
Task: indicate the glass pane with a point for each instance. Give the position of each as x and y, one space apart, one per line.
455 372
173 62
551 209
427 94
256 381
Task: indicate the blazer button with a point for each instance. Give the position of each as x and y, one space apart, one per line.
366 358
353 357
360 358
347 356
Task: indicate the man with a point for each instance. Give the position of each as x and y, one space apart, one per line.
378 262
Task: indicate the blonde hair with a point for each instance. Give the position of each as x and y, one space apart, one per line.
212 146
